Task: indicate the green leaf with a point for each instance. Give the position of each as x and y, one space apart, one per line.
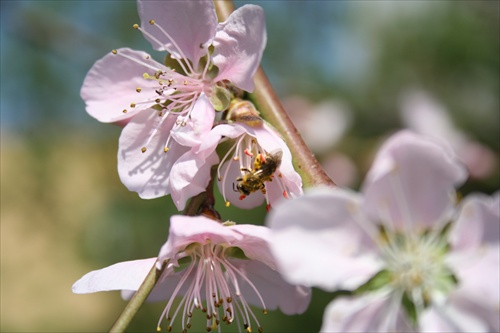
220 98
410 309
376 282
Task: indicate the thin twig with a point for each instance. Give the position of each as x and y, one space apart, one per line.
137 300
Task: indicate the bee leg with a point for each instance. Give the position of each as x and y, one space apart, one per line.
263 189
223 122
234 188
246 170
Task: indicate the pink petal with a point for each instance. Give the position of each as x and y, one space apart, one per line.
412 182
318 241
147 173
478 223
475 255
255 243
275 292
164 288
478 274
127 275
198 125
239 44
190 24
190 176
367 313
216 134
110 85
455 317
185 230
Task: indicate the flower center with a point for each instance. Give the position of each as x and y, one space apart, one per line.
212 284
176 93
417 267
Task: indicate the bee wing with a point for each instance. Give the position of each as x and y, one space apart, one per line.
258 172
277 154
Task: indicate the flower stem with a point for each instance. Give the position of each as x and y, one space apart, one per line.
271 109
137 300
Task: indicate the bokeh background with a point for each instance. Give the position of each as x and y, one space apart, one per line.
350 73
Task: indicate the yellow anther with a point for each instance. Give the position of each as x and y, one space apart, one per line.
157 100
143 149
124 111
135 26
151 22
138 89
114 51
146 76
185 83
228 204
166 149
158 329
264 311
132 105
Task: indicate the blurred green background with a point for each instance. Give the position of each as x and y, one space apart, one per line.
64 211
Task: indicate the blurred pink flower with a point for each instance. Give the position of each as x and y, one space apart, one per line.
218 269
164 109
422 114
393 245
322 125
250 141
341 169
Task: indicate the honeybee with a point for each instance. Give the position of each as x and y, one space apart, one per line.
264 167
241 111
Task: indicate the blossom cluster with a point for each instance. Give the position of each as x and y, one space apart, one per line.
174 116
405 254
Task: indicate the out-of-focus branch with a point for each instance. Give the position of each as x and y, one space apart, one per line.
271 109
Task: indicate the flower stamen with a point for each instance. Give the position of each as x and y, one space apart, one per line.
212 274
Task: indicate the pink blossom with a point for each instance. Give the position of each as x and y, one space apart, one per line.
220 269
424 115
322 125
394 246
165 110
249 142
